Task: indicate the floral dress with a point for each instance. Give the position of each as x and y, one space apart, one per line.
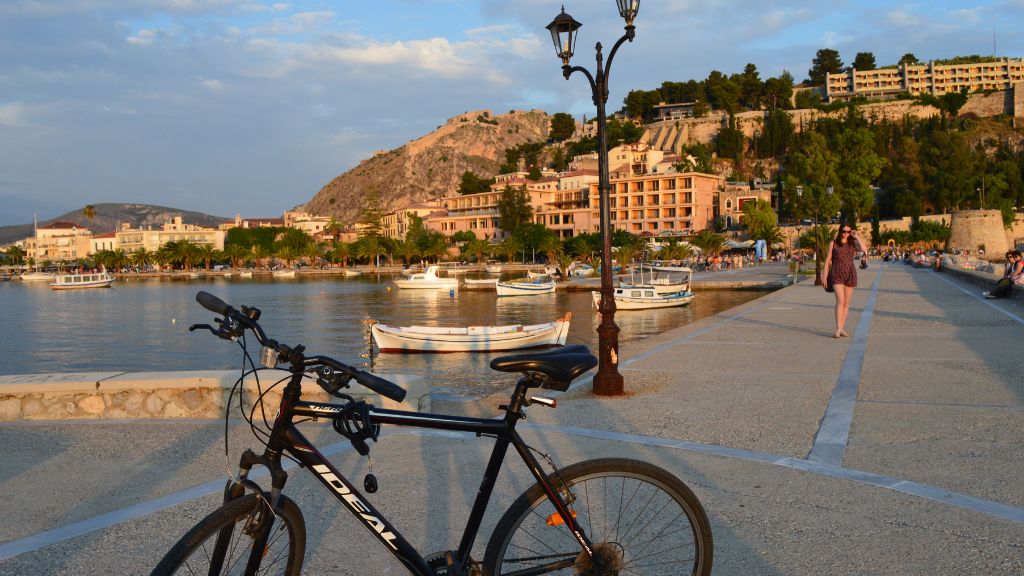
842 270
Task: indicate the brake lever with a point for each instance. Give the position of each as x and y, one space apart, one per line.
219 333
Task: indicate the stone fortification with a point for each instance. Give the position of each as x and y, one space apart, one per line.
674 135
165 395
975 229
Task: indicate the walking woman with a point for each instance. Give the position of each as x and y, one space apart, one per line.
841 273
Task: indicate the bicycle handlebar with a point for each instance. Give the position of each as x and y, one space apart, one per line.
375 383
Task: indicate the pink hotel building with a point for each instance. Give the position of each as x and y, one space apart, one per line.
648 197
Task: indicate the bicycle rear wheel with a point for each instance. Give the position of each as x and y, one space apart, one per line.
222 543
640 519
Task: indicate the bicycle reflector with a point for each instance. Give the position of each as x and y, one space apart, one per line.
268 357
557 520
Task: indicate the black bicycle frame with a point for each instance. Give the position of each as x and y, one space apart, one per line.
285 436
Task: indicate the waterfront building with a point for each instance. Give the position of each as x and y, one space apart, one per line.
733 196
101 242
396 224
131 239
240 222
58 242
931 78
309 223
661 204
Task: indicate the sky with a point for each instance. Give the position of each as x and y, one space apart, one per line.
250 107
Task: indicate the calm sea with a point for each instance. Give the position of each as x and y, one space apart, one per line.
142 324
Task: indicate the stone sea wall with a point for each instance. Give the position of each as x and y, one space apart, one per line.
116 395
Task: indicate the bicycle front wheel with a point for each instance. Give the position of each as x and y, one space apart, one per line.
640 519
222 543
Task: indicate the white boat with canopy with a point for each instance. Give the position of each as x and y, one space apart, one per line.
431 339
80 281
428 280
641 297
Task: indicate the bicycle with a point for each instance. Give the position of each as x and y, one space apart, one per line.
599 517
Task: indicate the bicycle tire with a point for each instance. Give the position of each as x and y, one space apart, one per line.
220 539
636 494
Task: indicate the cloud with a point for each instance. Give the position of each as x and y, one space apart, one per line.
14 115
212 84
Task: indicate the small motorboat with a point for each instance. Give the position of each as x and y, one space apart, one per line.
428 280
581 271
481 282
283 273
36 277
82 280
493 268
644 297
524 287
430 339
350 273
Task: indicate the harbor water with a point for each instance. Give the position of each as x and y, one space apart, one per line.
141 325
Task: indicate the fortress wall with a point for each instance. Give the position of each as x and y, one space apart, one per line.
972 229
989 104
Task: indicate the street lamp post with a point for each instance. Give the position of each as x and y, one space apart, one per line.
817 243
563 30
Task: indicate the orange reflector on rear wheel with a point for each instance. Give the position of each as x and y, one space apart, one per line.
557 520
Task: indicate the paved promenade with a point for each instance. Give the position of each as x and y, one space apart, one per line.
895 451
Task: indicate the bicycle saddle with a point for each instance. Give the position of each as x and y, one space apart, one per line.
559 366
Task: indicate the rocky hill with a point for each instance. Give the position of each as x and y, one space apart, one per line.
109 215
431 166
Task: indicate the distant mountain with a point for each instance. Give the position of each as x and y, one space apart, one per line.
109 215
431 166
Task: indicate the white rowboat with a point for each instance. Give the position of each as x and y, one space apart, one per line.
525 288
284 273
429 339
481 281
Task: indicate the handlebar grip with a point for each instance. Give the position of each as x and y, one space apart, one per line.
212 303
380 386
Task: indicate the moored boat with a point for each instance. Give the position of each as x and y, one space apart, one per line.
284 273
80 281
493 268
428 280
665 279
36 277
525 288
430 339
481 281
644 297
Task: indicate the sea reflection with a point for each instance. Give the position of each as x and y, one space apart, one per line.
142 324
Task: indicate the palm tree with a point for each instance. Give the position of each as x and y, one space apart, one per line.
118 259
407 250
625 255
235 253
164 255
709 242
207 253
141 258
260 254
369 247
342 252
313 253
510 247
89 212
552 246
103 258
186 252
16 254
478 247
289 254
